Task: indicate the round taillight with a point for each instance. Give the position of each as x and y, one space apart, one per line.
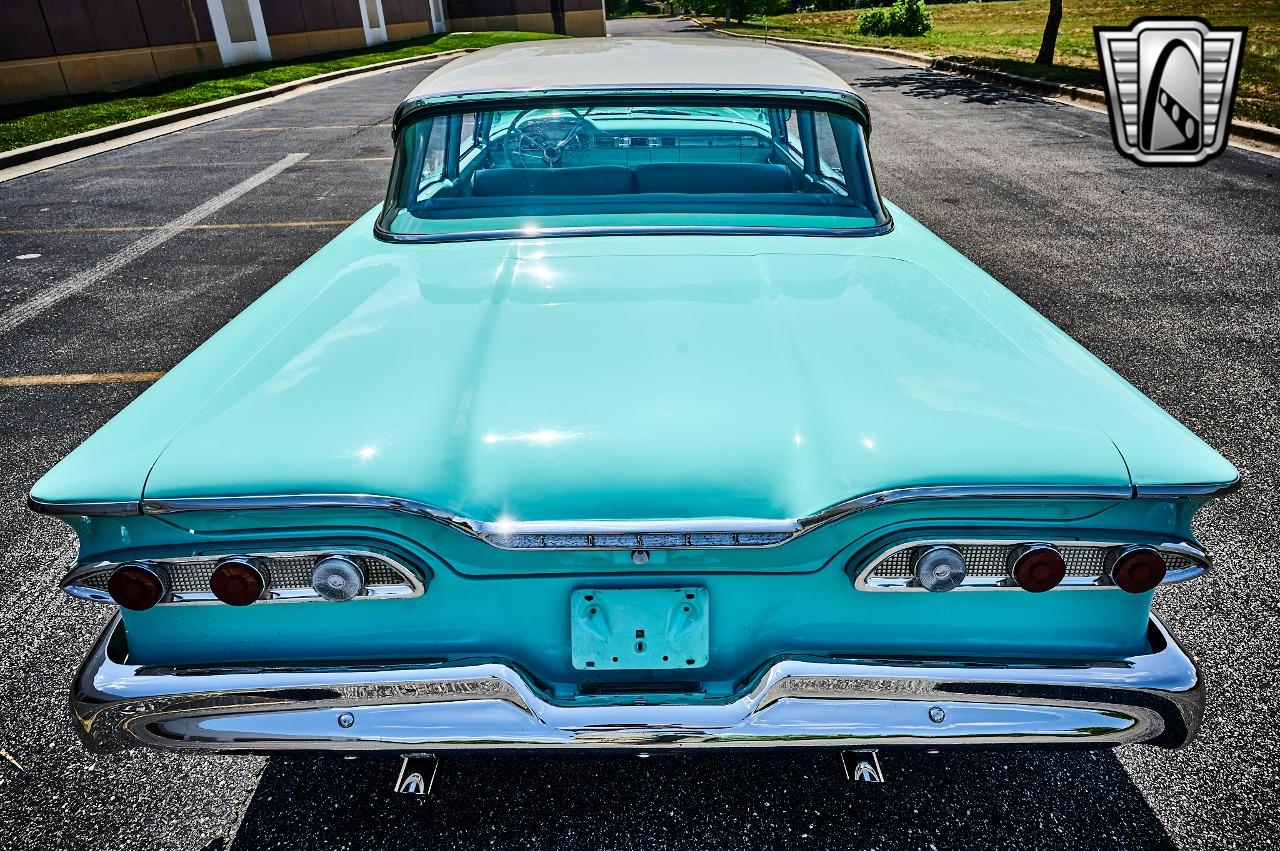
138 586
337 578
1038 568
1137 569
238 581
939 568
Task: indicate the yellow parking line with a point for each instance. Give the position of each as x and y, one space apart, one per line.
79 378
326 223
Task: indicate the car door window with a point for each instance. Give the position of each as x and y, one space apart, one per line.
829 165
433 157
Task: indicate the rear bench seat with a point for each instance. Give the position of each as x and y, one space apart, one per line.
703 178
676 178
583 180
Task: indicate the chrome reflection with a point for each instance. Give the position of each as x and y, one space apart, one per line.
1152 698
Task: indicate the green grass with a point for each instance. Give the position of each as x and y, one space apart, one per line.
1006 36
38 121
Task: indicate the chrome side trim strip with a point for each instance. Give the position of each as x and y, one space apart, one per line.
481 528
84 509
313 500
622 527
899 495
494 532
1154 697
1204 491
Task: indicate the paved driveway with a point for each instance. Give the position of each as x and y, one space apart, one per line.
1168 275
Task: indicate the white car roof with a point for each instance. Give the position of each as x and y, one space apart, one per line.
628 64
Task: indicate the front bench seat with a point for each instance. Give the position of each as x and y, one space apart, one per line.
707 178
579 180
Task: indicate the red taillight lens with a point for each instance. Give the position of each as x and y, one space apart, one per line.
238 581
1138 570
137 586
1038 568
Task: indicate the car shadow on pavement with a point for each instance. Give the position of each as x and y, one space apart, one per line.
678 27
1028 799
936 85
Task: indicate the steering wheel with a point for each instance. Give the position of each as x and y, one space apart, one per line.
542 142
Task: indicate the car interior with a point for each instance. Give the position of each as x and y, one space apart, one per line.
672 160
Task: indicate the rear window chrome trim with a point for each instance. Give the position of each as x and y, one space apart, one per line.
629 230
416 108
413 111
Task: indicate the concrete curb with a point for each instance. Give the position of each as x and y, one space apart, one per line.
53 147
1240 129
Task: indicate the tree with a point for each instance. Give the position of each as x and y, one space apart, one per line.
1050 39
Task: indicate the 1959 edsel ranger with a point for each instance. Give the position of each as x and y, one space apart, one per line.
635 418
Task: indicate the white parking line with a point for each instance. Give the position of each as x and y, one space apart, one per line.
48 298
318 223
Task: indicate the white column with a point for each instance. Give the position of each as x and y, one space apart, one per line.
241 34
435 8
374 20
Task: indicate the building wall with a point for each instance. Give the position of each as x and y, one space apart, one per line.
58 47
52 47
581 17
302 27
410 19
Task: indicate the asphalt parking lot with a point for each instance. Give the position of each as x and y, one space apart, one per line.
1172 276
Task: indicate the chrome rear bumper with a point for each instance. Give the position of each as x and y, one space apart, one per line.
1153 698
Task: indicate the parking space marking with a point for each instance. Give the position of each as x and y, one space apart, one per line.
308 161
80 378
165 129
323 223
51 296
281 129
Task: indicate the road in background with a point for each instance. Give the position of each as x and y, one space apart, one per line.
1169 275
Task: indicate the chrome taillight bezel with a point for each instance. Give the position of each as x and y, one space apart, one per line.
395 578
158 574
252 566
1029 551
1117 558
339 566
1184 561
926 576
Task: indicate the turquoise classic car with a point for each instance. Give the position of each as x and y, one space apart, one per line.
635 418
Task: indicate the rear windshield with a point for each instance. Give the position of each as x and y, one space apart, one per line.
641 166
